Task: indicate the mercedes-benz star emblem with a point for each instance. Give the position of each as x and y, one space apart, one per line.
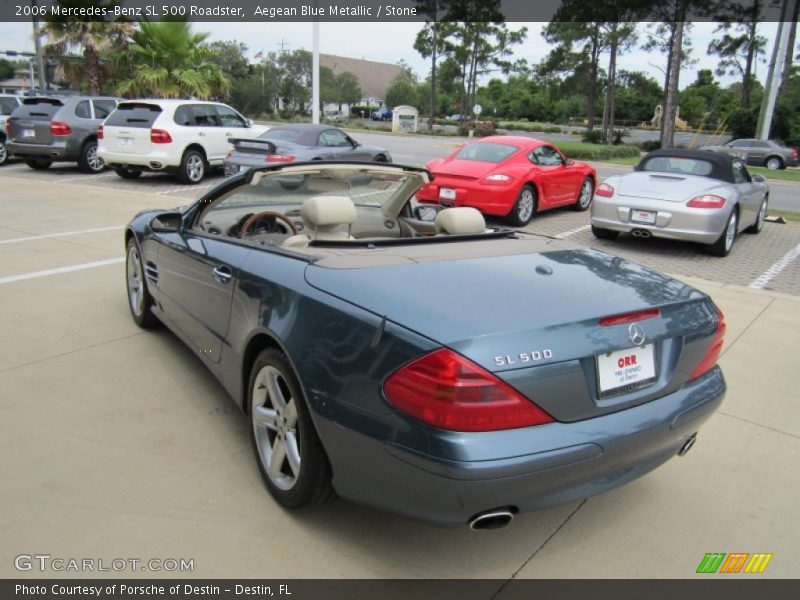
636 333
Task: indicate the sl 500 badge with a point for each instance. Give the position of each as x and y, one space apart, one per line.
523 357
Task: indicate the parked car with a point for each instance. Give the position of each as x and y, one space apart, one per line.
511 177
428 366
770 154
185 137
48 129
687 195
299 142
382 114
8 102
337 117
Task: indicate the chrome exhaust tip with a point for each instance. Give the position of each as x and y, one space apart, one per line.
491 519
641 233
687 445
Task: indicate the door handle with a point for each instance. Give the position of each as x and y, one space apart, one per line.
228 133
222 274
201 134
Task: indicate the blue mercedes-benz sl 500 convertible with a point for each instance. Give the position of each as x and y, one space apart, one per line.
412 358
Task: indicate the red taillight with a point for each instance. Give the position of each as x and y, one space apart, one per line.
100 132
630 317
159 136
604 190
8 127
59 128
279 158
707 201
448 391
497 179
794 153
712 354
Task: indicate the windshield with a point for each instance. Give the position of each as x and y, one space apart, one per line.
484 152
680 165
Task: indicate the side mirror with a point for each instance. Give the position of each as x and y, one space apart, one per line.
426 212
758 178
569 162
167 222
354 143
248 122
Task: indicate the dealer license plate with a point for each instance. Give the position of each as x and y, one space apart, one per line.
28 133
626 370
643 216
447 193
125 142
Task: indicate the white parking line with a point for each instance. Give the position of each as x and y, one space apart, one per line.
184 188
776 268
62 234
82 177
566 234
69 269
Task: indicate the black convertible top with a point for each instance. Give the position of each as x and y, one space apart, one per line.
303 134
721 164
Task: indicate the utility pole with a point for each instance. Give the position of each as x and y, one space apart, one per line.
315 71
38 48
773 82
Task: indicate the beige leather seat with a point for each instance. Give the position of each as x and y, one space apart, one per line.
462 220
326 218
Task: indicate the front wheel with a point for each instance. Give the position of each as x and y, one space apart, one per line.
604 234
139 300
290 455
723 245
193 168
39 164
585 194
762 215
524 207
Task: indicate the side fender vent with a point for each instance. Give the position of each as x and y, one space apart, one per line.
151 272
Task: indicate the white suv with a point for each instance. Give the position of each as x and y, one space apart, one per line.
181 136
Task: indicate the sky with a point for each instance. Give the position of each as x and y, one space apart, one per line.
391 42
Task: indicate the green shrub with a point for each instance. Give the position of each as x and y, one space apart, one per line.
650 145
584 151
592 136
481 128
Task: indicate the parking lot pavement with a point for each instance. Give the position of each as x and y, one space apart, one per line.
116 442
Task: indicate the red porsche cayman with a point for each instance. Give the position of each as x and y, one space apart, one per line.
508 176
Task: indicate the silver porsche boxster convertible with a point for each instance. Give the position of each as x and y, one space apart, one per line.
687 195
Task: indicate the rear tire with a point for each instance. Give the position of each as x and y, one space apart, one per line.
524 208
89 161
762 214
193 167
3 152
128 173
724 244
381 159
289 453
140 302
585 194
604 234
39 164
773 163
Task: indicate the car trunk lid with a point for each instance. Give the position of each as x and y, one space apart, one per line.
31 123
534 320
127 129
671 187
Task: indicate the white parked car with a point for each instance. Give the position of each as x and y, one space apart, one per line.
8 102
181 136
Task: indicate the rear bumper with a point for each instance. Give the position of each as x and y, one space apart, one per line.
497 200
674 220
555 463
153 161
62 149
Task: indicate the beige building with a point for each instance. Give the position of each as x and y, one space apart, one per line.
373 77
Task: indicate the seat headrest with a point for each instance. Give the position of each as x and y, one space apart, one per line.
324 211
463 220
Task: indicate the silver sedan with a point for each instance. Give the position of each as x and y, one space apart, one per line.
685 195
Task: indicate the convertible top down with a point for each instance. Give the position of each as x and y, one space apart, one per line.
408 357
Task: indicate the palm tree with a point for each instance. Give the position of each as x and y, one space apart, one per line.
92 38
170 61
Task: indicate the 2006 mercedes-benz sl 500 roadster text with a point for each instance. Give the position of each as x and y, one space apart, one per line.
408 357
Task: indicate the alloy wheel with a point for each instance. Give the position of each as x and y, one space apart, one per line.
195 168
730 232
586 194
135 282
274 417
525 205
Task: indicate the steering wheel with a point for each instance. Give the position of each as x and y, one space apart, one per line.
249 223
